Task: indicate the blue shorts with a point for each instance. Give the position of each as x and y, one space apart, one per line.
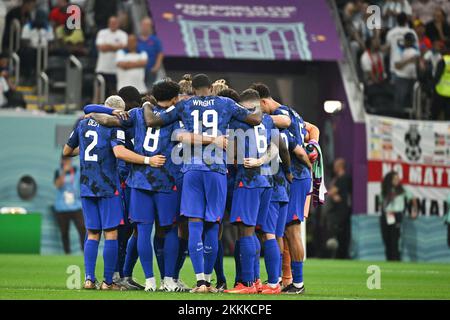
281 208
250 205
204 195
146 206
102 213
297 198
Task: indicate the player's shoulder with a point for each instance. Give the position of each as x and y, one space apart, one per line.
282 110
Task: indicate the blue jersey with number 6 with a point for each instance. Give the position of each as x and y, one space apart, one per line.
150 142
210 116
99 175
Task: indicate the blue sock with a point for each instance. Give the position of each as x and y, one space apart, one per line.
258 254
131 257
195 245
218 267
182 254
110 253
158 246
122 238
144 246
247 256
237 261
271 259
171 247
90 258
297 271
211 246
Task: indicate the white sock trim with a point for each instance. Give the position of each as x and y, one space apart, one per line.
200 276
208 277
298 285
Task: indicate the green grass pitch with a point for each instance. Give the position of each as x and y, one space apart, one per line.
45 277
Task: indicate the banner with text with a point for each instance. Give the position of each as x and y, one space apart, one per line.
419 151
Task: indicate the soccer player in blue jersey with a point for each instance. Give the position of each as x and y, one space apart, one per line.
299 189
251 198
204 172
102 206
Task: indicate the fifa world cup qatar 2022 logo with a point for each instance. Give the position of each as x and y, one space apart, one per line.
413 150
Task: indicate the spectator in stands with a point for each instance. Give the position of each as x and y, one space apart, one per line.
151 44
424 10
339 195
447 220
392 8
109 41
131 64
352 21
69 41
394 40
67 205
99 12
58 15
433 56
374 73
21 13
424 42
9 96
438 28
406 73
441 99
3 12
35 34
393 199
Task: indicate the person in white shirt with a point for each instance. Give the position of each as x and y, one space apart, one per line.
394 41
131 66
108 42
406 73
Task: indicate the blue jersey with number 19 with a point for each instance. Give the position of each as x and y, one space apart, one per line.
98 166
210 116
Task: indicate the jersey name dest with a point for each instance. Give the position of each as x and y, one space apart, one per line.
92 123
203 103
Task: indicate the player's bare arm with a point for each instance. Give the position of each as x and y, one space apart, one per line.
268 156
151 119
255 117
281 121
301 154
106 120
131 157
313 131
70 152
192 138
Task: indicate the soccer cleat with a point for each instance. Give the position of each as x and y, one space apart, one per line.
221 286
210 288
258 285
199 289
90 285
112 286
171 286
183 286
291 289
130 284
161 285
240 288
150 285
266 289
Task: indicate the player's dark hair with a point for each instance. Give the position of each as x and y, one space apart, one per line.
263 90
201 80
249 95
130 96
229 93
387 189
165 90
402 19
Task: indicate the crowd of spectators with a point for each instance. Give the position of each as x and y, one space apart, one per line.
122 55
409 48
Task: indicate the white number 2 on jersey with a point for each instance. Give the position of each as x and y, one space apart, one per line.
87 153
209 121
151 140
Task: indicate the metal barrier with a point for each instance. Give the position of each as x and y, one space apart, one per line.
14 64
41 60
14 36
74 79
417 108
99 89
43 89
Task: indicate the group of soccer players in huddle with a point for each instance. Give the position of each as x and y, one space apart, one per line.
190 154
